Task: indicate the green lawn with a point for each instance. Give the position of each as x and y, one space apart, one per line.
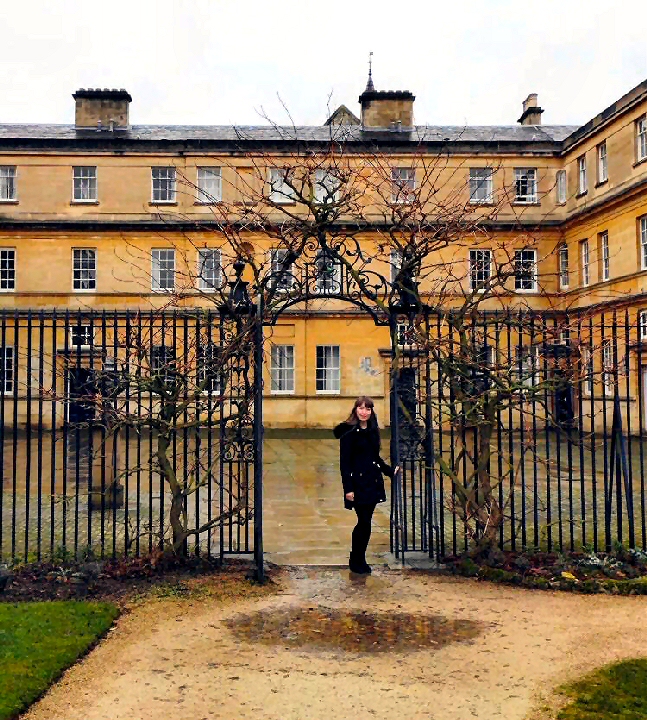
617 692
39 640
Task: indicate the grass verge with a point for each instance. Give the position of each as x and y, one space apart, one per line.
613 692
38 640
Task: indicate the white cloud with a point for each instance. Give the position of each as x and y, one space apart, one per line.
220 61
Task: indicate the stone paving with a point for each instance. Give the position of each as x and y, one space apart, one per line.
305 522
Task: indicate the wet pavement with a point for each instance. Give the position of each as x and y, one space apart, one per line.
305 522
323 628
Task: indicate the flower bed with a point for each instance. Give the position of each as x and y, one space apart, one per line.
621 572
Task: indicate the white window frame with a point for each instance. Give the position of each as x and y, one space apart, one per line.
163 185
527 176
480 261
643 241
405 335
86 335
209 275
396 257
641 139
603 165
528 365
560 180
586 357
208 355
8 360
328 271
157 258
582 181
280 192
481 184
84 184
332 381
521 276
642 324
84 275
282 370
8 273
403 185
604 255
163 357
607 366
326 187
281 283
585 256
8 183
208 185
564 272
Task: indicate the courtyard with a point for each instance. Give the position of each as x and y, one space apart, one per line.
487 651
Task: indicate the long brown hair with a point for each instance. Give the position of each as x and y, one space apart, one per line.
367 402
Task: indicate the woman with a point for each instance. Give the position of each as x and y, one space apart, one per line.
361 473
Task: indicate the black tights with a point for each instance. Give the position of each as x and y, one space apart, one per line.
362 531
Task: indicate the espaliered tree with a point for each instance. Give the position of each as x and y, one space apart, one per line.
337 216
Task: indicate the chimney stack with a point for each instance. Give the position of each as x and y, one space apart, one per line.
531 114
98 109
392 109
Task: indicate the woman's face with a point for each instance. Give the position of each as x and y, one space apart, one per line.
363 413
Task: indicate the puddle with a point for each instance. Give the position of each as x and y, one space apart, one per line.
331 629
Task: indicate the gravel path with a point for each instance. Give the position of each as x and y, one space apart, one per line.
180 660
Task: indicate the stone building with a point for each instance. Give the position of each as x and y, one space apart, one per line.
109 215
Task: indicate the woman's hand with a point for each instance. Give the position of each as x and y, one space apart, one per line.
350 496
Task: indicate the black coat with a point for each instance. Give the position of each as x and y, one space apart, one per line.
360 464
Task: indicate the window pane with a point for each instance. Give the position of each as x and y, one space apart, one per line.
280 190
7 269
561 186
564 278
525 269
403 183
480 268
85 183
326 187
282 368
163 184
328 271
209 376
282 278
163 270
209 185
327 368
480 185
84 269
209 269
7 182
525 185
7 365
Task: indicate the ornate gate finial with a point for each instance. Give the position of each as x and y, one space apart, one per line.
239 302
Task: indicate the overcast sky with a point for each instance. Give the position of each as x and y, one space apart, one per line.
224 62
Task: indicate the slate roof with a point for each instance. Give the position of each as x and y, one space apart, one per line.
227 134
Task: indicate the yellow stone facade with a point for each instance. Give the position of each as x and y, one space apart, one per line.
42 223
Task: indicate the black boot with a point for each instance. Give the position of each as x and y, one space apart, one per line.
356 566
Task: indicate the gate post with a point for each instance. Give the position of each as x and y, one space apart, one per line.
258 440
